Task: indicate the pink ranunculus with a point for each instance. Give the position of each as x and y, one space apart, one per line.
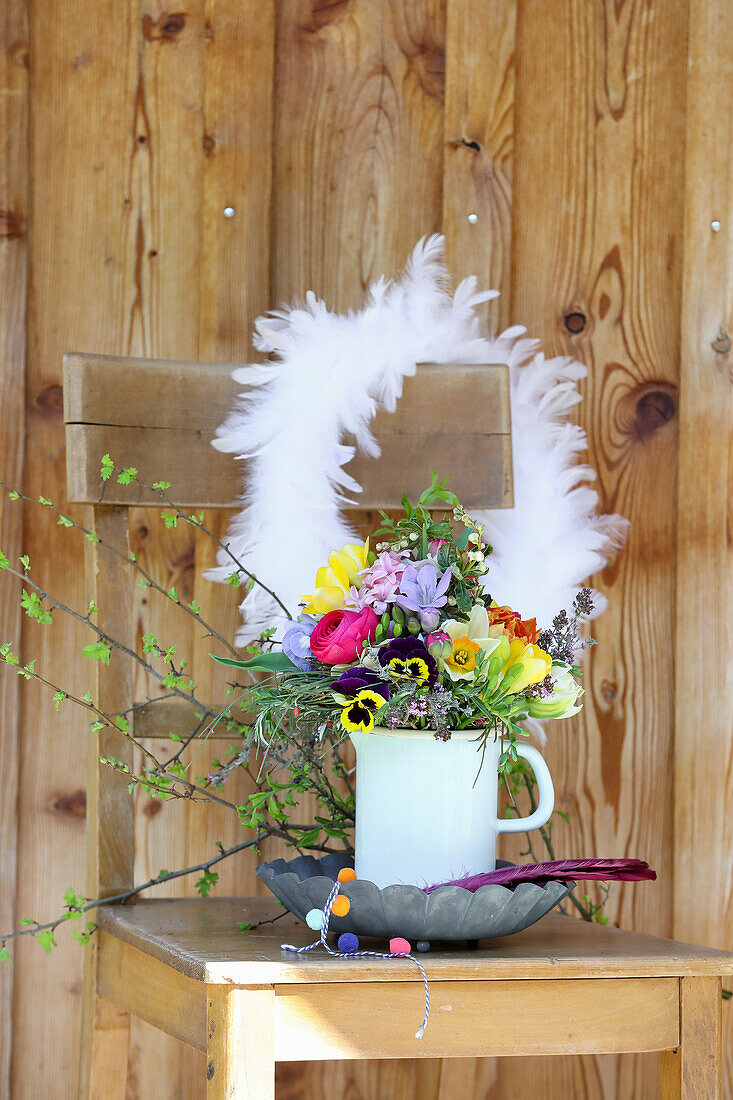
338 637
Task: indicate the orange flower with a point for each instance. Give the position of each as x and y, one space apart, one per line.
505 621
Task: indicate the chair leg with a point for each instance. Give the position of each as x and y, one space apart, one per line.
693 1071
240 1043
105 1040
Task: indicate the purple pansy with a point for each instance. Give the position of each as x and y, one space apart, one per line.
409 657
422 592
296 643
358 679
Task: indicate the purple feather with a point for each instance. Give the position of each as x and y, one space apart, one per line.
603 870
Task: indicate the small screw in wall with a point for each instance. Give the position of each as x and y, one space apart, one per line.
229 211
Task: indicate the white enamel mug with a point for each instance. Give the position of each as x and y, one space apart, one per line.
426 810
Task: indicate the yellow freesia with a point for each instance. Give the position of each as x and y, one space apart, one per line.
333 581
534 662
460 664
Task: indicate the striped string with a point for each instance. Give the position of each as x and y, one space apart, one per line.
321 942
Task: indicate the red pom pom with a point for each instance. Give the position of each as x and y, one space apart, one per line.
399 946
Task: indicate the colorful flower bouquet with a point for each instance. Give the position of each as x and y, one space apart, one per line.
401 648
404 634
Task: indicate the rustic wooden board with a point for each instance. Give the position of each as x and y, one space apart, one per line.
14 107
144 413
704 726
358 155
598 157
479 146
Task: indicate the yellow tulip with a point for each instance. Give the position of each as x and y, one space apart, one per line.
334 581
534 662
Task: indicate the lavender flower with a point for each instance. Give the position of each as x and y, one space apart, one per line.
422 592
297 643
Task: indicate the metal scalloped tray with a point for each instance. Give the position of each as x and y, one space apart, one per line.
449 913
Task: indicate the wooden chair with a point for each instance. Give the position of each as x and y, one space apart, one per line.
181 965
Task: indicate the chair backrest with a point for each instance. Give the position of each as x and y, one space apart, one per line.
160 417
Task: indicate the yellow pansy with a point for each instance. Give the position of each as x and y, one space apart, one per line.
534 662
333 581
468 638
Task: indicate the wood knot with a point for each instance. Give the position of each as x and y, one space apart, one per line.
468 144
721 344
609 690
12 225
575 322
71 805
209 1071
209 144
428 65
50 402
152 808
166 27
324 12
654 408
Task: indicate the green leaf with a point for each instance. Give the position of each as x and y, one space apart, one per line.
4 954
97 651
58 699
47 941
46 502
13 495
462 540
170 519
163 873
91 537
161 486
263 662
4 562
127 476
87 697
242 925
25 561
33 606
172 595
107 468
26 921
64 521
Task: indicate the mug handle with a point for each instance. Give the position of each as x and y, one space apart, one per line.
546 799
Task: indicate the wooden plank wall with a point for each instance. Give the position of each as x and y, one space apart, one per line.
340 132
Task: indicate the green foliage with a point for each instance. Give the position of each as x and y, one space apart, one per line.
4 562
206 883
169 519
127 476
64 521
33 606
161 486
97 651
4 954
263 662
58 699
107 468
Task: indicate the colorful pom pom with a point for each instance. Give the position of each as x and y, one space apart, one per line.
423 945
399 946
348 874
348 943
341 906
314 919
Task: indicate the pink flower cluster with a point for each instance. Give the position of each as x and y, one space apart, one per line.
381 582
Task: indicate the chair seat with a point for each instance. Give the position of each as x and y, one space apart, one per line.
200 939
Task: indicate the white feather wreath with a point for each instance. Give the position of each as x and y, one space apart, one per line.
329 374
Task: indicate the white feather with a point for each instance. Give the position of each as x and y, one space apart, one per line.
329 374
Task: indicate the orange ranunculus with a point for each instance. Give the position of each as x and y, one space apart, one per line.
503 620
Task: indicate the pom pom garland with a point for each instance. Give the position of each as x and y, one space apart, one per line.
348 943
340 954
398 946
314 919
346 874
